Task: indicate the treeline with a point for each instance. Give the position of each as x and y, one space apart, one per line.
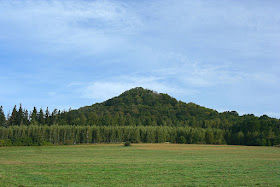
139 107
20 117
61 135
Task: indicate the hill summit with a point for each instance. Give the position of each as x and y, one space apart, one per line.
140 106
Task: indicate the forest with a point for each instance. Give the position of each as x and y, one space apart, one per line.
137 115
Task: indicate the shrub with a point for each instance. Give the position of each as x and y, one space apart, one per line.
68 142
127 143
45 143
26 141
182 139
5 142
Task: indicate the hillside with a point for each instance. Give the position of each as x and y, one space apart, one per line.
141 115
140 106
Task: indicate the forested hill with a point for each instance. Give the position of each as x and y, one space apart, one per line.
140 106
141 111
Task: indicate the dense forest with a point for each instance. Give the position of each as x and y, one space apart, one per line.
137 115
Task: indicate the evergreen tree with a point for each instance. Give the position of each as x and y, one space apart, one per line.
19 116
41 118
54 117
25 118
13 117
2 117
34 116
47 117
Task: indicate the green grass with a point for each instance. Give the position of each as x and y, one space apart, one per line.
140 165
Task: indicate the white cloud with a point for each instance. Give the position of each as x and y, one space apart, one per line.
90 27
94 27
103 90
193 73
182 48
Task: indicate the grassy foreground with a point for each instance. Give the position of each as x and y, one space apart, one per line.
139 165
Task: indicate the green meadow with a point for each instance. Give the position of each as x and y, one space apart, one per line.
140 165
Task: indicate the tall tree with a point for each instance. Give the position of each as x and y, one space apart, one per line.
83 119
47 116
26 117
54 117
34 116
41 117
13 117
2 117
19 117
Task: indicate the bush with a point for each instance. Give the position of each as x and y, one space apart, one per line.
5 142
182 139
26 141
127 143
45 143
69 142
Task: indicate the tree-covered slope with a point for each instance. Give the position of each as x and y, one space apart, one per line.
140 106
143 108
148 107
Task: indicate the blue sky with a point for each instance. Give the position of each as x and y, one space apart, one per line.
222 54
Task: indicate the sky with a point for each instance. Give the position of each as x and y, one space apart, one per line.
221 54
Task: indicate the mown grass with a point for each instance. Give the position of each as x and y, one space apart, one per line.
140 165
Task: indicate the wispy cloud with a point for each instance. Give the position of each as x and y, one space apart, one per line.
84 26
82 51
103 90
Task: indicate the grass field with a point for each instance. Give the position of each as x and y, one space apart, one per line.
140 165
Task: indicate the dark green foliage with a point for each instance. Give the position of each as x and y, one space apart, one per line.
182 139
19 116
145 107
5 142
2 117
34 116
209 136
140 115
41 117
47 117
65 135
55 134
127 143
13 118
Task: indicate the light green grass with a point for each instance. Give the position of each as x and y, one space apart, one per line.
140 165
